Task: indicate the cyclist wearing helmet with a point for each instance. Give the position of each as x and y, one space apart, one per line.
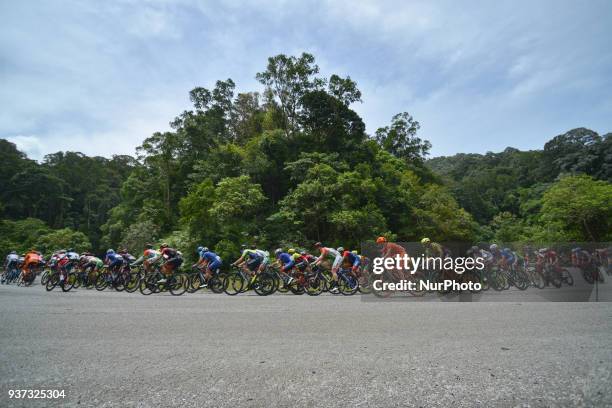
173 260
330 253
90 261
286 262
210 260
433 249
580 257
149 257
129 258
390 249
303 260
250 260
113 260
351 259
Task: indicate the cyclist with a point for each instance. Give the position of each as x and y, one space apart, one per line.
250 260
91 262
10 264
173 260
390 249
129 258
433 249
352 259
287 263
581 257
548 256
148 257
303 260
331 253
505 258
32 260
210 260
66 259
113 260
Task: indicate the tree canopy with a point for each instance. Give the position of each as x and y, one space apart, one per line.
291 164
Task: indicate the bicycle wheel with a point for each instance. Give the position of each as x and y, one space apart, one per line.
280 285
145 286
233 284
132 284
470 277
314 286
101 282
537 280
347 284
216 283
68 282
52 281
78 281
521 281
567 277
177 284
194 281
588 275
264 284
555 279
365 283
44 278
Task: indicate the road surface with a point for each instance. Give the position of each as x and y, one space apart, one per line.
127 350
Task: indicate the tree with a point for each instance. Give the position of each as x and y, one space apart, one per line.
63 238
345 89
288 79
581 206
138 235
400 138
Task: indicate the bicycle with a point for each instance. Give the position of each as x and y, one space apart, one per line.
197 281
238 281
176 283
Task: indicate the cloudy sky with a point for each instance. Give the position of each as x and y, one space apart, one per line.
99 77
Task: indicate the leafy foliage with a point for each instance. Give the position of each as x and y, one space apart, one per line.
293 164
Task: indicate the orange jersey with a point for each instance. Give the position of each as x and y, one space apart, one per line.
390 250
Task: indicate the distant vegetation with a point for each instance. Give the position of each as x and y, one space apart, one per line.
294 165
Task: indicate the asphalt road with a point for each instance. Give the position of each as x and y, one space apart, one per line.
127 350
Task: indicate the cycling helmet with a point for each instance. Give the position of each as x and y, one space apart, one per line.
340 249
507 250
244 246
303 253
425 241
164 245
148 246
277 252
475 248
205 249
110 252
71 250
493 247
13 252
577 249
253 246
318 245
291 251
199 249
354 251
381 240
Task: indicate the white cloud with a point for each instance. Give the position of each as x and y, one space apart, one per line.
100 77
31 145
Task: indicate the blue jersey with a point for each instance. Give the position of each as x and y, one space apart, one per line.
285 258
210 256
113 258
507 254
352 258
